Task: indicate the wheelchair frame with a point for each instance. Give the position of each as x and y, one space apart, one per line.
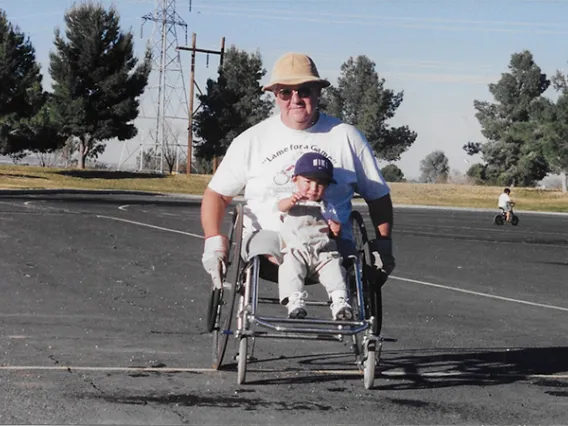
240 293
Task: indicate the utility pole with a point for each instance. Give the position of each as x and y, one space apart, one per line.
192 84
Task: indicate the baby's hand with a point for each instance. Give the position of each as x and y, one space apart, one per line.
334 227
295 198
285 204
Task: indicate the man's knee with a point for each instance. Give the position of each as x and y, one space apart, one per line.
263 242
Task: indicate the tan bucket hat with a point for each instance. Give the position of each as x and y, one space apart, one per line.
295 68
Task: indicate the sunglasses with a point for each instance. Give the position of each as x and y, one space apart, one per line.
302 91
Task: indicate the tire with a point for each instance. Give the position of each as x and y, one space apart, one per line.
370 363
515 220
227 297
242 360
360 237
498 220
372 294
214 301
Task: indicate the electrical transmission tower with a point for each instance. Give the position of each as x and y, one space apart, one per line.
165 100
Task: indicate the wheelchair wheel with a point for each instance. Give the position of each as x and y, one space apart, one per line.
372 294
369 363
360 237
515 220
221 313
214 301
498 220
242 360
243 325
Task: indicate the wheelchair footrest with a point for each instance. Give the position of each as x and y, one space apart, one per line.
276 301
309 321
295 336
310 326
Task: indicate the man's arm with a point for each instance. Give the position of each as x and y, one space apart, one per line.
213 208
381 212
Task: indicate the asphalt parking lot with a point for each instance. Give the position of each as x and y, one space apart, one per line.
104 299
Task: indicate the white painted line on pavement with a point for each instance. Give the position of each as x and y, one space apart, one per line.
124 369
387 374
459 236
123 208
409 228
476 293
403 374
147 225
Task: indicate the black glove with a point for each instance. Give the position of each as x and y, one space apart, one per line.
382 259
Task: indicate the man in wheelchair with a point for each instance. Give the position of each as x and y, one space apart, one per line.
261 160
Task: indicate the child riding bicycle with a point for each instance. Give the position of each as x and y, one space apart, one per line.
506 204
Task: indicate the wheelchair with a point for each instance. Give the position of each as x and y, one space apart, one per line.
233 310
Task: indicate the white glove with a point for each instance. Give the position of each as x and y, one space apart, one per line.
382 253
213 259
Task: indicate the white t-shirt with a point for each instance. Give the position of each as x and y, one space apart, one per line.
305 226
261 160
503 200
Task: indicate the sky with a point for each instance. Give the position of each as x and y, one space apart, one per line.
441 53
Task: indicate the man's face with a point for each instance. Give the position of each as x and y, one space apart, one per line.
311 188
298 104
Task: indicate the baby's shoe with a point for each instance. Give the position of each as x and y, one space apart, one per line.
297 305
340 309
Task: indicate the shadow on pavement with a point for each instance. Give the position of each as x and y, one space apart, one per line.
421 369
452 367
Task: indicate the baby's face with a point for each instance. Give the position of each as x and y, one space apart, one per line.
312 189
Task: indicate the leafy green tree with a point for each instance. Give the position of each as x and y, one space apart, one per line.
362 100
476 173
434 168
97 80
231 104
43 129
392 173
512 152
554 117
24 114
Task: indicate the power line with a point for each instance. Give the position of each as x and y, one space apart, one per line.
389 21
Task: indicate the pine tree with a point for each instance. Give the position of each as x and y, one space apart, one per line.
97 80
21 95
231 104
362 100
513 151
